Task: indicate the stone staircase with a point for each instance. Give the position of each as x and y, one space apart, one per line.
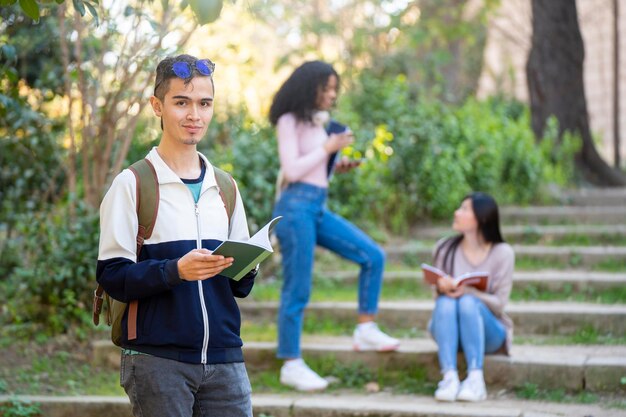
327 405
535 361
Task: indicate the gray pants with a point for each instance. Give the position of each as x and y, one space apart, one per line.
163 387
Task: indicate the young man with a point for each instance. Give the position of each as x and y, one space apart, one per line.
186 358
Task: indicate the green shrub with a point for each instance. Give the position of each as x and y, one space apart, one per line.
248 151
49 287
424 156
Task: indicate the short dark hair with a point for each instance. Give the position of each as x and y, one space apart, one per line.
485 210
298 94
165 72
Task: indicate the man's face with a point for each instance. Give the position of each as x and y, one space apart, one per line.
186 110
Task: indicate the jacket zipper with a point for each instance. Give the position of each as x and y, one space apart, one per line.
205 316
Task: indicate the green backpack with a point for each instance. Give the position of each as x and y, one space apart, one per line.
147 209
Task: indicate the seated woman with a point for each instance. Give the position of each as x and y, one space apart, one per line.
464 317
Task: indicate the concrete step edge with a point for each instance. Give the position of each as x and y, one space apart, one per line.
321 405
554 230
520 250
519 276
561 210
427 305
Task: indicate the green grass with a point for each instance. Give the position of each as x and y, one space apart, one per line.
329 289
352 377
18 408
586 335
324 326
610 264
267 332
538 292
59 374
530 391
326 263
570 239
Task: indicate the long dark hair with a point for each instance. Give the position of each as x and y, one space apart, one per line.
298 94
485 209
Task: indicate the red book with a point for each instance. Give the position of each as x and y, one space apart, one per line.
476 279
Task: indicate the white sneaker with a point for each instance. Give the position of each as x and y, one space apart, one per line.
295 373
472 389
448 388
369 337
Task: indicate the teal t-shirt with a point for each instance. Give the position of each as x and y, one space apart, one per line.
195 185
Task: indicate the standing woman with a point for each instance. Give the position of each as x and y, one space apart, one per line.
464 316
299 111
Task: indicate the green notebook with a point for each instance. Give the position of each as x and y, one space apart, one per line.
247 254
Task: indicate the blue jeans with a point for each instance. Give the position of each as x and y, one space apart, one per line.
468 320
159 387
306 223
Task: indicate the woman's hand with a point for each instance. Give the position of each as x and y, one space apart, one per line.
346 164
200 264
456 292
338 141
448 286
445 285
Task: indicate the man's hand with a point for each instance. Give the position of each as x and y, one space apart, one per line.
200 264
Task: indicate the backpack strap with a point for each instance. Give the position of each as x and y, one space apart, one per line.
147 207
147 199
228 193
147 190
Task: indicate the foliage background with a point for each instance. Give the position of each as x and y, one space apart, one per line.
409 72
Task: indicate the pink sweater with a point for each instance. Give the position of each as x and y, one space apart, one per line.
301 151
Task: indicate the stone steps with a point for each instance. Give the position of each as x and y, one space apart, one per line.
530 318
594 196
551 280
510 215
579 256
332 405
517 232
592 368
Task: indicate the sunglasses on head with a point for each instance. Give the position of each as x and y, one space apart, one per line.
183 69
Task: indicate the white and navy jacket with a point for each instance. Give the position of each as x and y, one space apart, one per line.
188 321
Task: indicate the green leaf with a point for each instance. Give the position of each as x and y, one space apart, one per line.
206 11
8 51
93 12
31 8
4 3
79 6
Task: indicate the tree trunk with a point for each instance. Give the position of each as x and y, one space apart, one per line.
555 82
616 103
